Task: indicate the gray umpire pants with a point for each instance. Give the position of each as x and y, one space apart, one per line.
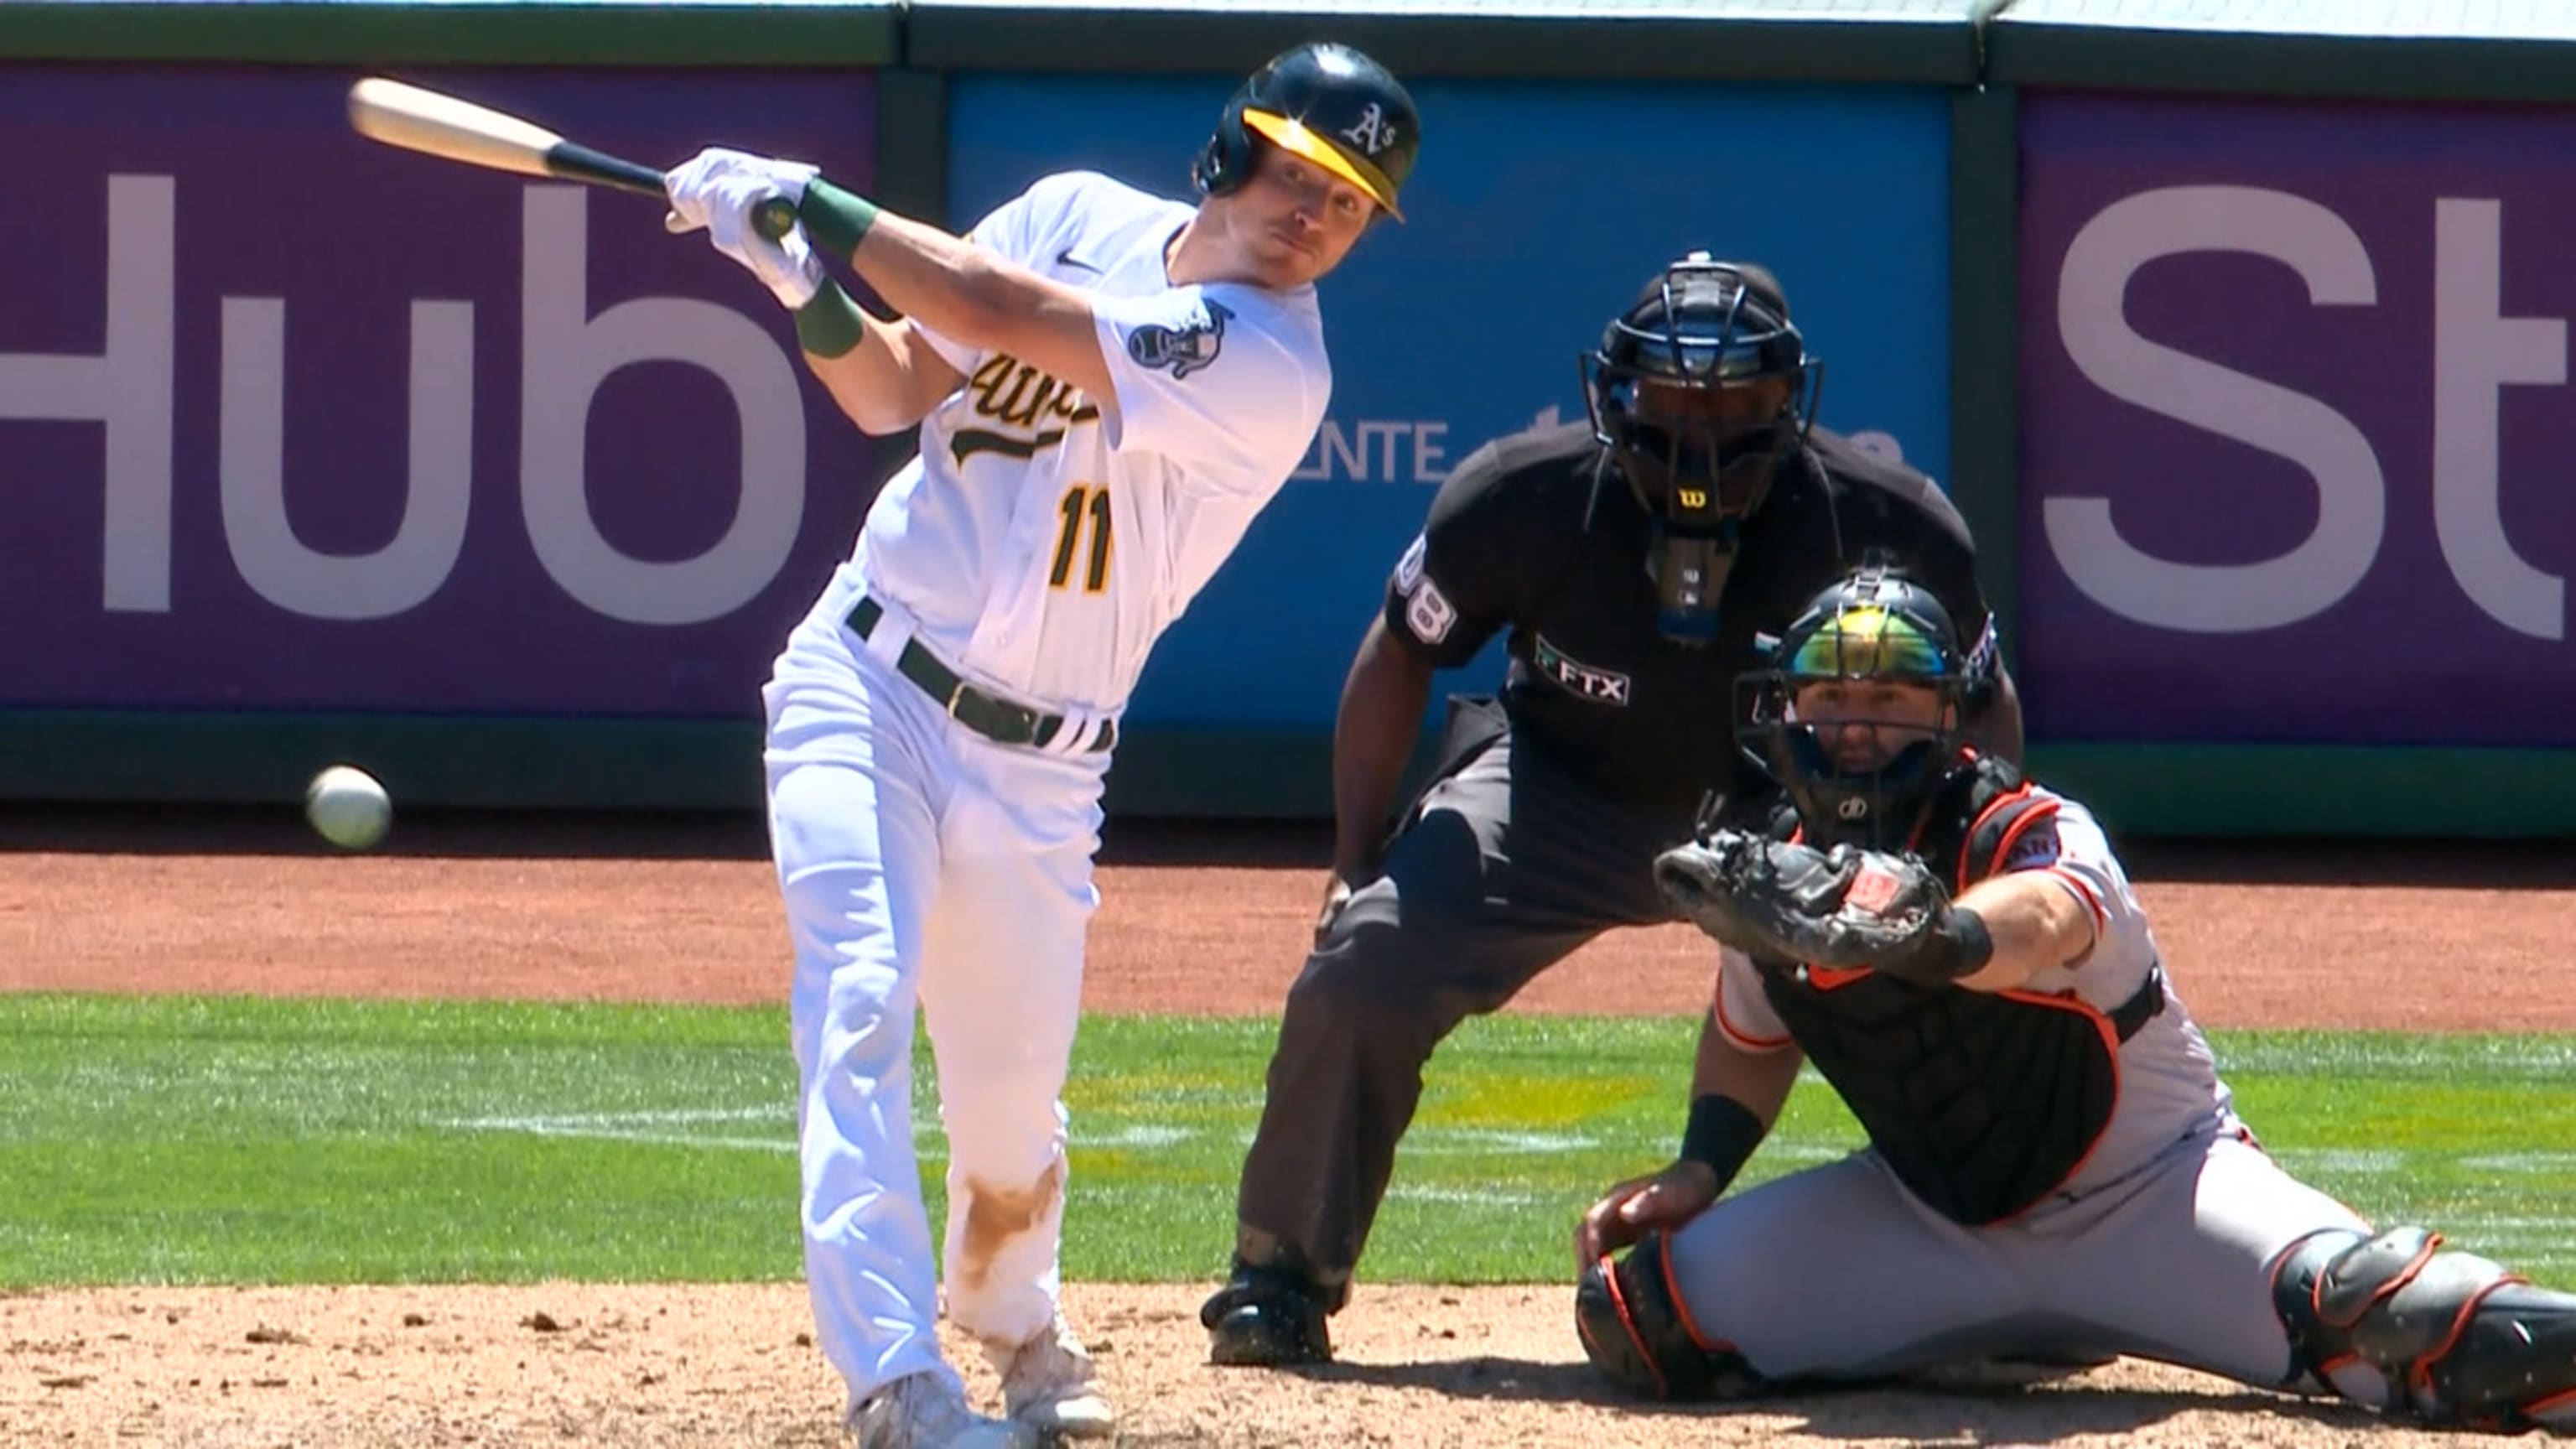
1501 869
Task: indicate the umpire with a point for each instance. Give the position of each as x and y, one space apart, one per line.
1635 561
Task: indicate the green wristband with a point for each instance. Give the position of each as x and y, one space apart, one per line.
830 325
834 218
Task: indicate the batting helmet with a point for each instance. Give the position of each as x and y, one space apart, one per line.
1326 103
1874 626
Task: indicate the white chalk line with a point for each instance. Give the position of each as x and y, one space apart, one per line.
1462 1196
668 1129
656 1128
620 1120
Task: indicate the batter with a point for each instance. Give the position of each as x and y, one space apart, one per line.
1109 387
2055 1168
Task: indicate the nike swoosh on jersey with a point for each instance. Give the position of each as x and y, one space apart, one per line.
1066 258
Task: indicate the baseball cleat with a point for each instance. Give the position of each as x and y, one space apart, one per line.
928 1411
1050 1385
1266 1319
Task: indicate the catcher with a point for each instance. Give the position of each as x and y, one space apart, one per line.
2054 1169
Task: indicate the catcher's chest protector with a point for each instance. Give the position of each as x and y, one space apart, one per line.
1981 1103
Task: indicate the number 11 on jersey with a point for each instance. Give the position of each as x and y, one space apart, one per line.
1082 499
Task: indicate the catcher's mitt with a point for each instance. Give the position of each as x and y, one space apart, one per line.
1842 908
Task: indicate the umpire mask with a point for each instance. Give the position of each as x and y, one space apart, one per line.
1697 392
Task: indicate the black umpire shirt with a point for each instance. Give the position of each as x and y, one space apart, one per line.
1593 684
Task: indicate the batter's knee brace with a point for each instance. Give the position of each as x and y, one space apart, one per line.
1635 1330
2399 1322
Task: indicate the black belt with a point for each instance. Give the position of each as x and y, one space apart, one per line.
995 718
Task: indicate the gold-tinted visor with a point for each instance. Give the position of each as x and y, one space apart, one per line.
1292 137
1868 642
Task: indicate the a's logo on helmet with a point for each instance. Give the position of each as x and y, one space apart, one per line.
1372 132
1182 349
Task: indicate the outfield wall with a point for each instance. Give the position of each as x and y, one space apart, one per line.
315 450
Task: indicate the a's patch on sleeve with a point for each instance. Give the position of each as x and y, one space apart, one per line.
1187 348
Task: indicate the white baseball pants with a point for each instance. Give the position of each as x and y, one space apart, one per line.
921 862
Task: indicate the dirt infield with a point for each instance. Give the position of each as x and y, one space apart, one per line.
1195 919
672 1366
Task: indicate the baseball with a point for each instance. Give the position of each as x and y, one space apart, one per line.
348 807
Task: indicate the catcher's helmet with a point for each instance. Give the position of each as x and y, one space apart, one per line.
1697 392
1874 626
1328 104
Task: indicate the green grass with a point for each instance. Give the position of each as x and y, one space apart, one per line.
237 1140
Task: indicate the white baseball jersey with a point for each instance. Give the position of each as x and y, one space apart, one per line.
2169 1086
1044 540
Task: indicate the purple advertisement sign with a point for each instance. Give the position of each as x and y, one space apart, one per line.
292 420
2296 422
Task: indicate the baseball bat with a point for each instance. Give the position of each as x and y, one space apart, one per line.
439 125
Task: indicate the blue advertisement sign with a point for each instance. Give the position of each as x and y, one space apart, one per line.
1536 214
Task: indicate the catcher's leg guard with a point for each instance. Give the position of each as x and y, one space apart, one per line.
1635 1330
2399 1322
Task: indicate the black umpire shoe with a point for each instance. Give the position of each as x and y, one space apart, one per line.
1266 1318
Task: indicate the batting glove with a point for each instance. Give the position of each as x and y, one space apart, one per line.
720 189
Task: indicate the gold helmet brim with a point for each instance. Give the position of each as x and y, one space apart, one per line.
1290 135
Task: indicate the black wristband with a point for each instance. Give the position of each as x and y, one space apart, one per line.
1721 1136
1958 945
1972 943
